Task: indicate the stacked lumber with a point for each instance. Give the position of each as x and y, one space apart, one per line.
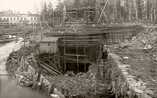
49 63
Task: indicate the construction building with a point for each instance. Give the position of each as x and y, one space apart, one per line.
13 19
78 50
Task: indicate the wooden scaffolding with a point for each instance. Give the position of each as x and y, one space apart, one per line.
79 51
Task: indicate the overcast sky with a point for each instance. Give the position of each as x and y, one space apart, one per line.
23 5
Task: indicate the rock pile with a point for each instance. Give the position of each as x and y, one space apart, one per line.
141 58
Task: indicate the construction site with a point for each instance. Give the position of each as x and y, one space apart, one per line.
83 50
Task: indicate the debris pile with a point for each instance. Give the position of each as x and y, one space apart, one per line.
27 68
79 84
72 84
146 41
143 40
15 59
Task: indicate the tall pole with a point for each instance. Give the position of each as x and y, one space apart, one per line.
41 35
23 50
115 10
64 14
16 37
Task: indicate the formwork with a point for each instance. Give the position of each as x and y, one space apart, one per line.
80 45
78 52
80 48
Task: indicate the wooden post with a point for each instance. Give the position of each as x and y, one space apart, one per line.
77 57
41 35
84 49
64 58
58 57
16 38
52 18
24 48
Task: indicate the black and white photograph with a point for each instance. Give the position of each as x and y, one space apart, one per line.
78 48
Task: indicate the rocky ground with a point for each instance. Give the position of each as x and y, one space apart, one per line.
140 56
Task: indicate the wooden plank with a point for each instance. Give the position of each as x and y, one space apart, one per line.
83 45
81 42
79 60
49 67
75 55
48 70
76 40
82 36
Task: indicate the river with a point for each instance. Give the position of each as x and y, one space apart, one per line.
8 86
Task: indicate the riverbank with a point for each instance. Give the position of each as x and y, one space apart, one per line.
8 86
5 50
10 89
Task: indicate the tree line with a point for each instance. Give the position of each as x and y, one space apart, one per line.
107 11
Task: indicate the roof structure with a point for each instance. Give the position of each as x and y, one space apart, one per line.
49 39
91 29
